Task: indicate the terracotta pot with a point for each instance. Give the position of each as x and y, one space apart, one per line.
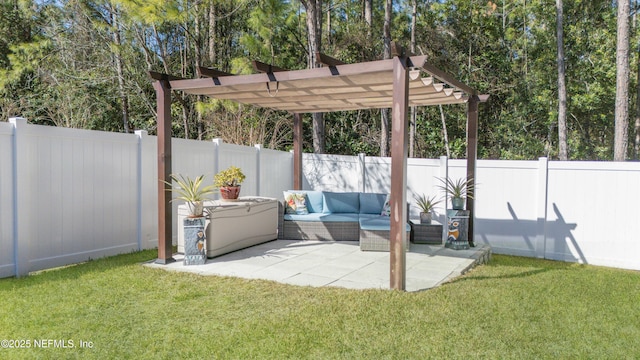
229 193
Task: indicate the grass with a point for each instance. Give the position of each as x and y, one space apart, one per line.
512 308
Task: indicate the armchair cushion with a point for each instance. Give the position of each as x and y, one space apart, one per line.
380 223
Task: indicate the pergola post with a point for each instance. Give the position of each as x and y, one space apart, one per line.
472 154
297 151
163 98
399 146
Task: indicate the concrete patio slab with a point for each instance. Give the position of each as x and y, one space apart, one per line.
338 264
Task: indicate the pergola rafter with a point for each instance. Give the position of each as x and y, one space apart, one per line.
396 83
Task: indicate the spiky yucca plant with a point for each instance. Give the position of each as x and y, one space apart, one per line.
425 203
459 188
190 190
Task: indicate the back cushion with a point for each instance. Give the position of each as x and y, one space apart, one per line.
314 201
371 203
341 202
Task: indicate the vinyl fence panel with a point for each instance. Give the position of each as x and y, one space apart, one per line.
76 198
7 265
276 172
70 195
147 190
506 206
331 172
592 213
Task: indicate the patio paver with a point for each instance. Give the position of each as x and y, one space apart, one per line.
338 264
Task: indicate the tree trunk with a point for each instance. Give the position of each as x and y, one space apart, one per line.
622 84
384 122
444 132
412 120
636 143
124 100
562 88
368 17
198 62
329 24
314 28
212 34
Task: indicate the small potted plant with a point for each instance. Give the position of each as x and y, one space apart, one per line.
192 192
458 190
426 205
228 181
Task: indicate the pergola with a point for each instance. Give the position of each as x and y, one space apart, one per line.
399 83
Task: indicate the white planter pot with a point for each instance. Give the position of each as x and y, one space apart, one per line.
196 208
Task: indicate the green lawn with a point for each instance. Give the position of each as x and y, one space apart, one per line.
512 308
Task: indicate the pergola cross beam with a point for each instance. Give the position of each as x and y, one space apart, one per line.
266 68
328 60
211 73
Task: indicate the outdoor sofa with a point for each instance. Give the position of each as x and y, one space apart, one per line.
336 216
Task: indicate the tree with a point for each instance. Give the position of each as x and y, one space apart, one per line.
412 119
119 62
85 63
562 88
314 28
636 143
622 83
384 120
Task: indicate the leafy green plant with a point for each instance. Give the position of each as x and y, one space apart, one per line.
425 203
458 188
190 190
231 176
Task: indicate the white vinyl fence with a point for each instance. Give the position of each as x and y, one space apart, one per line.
70 195
571 211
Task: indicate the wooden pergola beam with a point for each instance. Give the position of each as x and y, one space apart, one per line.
305 74
210 72
399 51
448 78
165 230
399 147
472 153
266 68
327 60
166 77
